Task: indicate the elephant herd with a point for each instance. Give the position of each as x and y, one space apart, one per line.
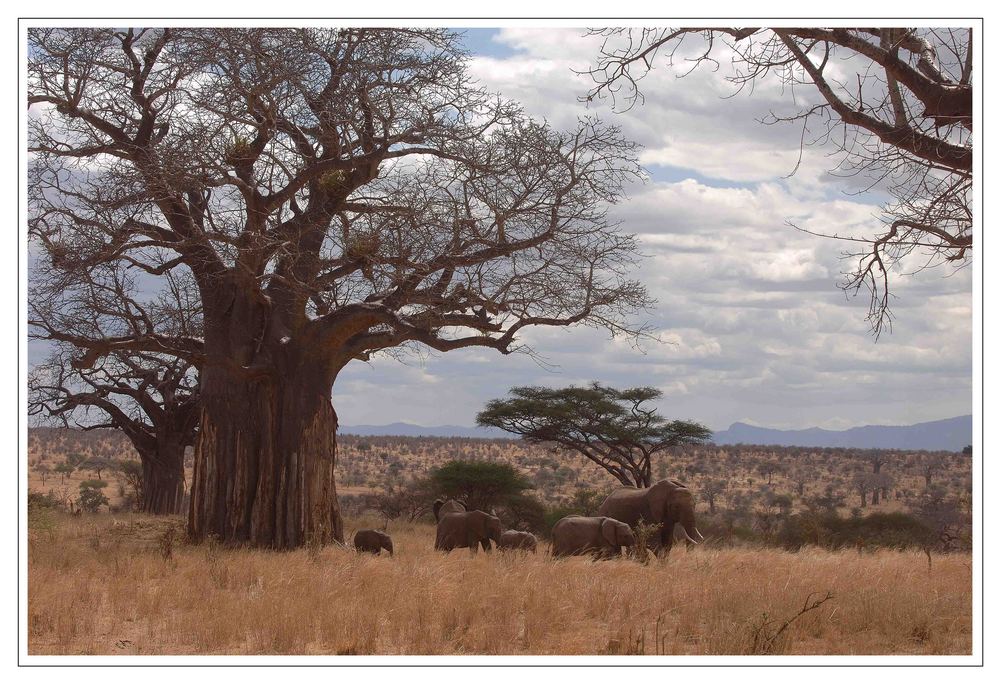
668 503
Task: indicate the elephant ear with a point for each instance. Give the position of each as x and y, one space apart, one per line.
660 496
437 508
609 531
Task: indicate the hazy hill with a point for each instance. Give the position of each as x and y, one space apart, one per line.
952 434
407 429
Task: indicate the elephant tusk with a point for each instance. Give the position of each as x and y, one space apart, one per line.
684 533
698 535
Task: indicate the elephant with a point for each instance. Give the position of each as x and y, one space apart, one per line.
467 530
667 502
603 536
518 540
372 541
442 506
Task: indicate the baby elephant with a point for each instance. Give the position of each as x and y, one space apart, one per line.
518 540
602 536
372 541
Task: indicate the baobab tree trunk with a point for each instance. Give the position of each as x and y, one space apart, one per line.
265 456
163 479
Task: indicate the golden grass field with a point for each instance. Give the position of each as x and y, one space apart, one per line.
103 584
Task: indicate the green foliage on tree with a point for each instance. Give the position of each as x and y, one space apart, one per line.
63 469
97 465
75 459
614 428
480 485
129 473
91 496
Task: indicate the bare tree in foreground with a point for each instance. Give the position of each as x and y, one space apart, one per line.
896 102
334 194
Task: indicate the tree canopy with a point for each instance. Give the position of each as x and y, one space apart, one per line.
615 428
480 485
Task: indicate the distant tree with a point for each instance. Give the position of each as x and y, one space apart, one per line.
946 516
91 496
43 471
801 476
826 502
862 483
711 489
75 459
64 469
97 465
877 458
615 429
769 468
587 501
480 485
388 503
130 473
967 450
931 466
881 483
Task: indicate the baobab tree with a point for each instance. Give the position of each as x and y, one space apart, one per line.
334 194
152 400
894 103
151 397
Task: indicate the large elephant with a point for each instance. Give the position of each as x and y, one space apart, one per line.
518 540
442 506
467 530
667 502
372 541
603 536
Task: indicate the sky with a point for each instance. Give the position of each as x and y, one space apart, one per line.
753 327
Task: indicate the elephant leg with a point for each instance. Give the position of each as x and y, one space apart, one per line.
666 539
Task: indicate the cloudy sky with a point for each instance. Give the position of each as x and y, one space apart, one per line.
752 323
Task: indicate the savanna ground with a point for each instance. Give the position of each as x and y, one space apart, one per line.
129 584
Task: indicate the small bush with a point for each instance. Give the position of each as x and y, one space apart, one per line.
91 497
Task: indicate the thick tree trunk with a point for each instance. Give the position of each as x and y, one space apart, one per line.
265 455
163 479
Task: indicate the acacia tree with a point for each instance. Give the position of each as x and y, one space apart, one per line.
896 103
334 194
614 428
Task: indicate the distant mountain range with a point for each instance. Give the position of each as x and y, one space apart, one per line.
407 429
952 434
941 435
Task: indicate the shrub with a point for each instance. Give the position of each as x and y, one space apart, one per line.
91 497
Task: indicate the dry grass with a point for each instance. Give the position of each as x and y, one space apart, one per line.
113 585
